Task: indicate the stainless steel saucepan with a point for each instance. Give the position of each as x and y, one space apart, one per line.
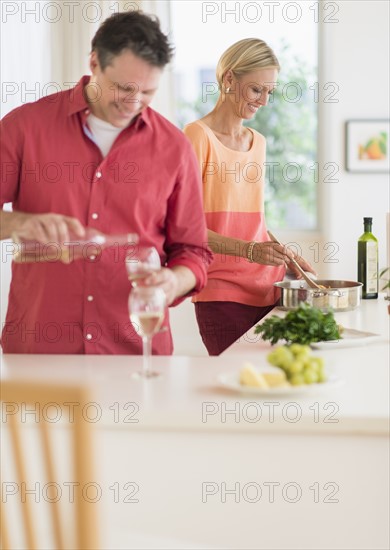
337 295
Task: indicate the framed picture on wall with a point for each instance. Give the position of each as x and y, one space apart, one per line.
367 145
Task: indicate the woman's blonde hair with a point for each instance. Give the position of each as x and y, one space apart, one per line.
246 56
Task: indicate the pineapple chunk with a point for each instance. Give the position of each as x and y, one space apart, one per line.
275 379
249 376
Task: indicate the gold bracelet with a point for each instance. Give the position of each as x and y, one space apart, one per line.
250 252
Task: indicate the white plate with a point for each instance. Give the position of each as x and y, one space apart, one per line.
232 382
350 338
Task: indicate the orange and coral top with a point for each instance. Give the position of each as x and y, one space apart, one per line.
233 199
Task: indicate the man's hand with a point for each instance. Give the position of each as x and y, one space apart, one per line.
46 228
175 282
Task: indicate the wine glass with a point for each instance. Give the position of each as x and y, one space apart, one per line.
146 310
141 262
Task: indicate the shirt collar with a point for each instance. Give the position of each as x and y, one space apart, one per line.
78 103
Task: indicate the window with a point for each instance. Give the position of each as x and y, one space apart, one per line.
202 31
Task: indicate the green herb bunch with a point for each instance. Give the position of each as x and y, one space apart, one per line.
303 325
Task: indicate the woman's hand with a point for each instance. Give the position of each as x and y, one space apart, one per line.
270 253
291 268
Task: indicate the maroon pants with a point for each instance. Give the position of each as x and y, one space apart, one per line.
222 323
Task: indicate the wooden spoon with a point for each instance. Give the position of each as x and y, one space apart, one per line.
309 281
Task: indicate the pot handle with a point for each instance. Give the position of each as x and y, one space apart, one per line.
320 293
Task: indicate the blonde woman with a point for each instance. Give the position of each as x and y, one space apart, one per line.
240 287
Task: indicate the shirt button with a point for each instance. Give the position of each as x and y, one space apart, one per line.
87 111
94 216
98 175
92 257
88 336
90 298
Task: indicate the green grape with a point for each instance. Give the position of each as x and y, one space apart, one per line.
300 351
302 358
296 366
295 348
297 380
272 358
317 363
284 357
321 377
310 376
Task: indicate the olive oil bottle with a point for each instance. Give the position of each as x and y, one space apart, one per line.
368 261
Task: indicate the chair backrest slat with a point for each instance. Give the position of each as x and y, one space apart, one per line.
51 477
85 510
22 475
4 536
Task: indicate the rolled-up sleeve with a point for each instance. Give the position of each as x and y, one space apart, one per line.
186 232
11 144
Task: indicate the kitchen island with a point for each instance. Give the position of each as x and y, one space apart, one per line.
182 457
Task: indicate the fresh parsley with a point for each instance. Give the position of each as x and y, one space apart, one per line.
303 325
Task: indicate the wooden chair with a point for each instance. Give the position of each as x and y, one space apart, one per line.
82 529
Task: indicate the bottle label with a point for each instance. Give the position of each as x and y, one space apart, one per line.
371 268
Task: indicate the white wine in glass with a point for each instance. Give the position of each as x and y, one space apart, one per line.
147 311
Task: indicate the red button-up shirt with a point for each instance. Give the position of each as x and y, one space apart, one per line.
149 184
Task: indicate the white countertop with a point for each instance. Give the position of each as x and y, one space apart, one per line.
188 395
151 434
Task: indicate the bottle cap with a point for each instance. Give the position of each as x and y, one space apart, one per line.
367 220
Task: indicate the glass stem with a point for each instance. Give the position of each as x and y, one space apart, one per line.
147 353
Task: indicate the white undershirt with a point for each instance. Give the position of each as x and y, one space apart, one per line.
103 132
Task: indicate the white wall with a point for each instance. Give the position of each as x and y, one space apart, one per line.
355 55
26 67
26 57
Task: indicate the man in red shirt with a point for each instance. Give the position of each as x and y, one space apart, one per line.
98 156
